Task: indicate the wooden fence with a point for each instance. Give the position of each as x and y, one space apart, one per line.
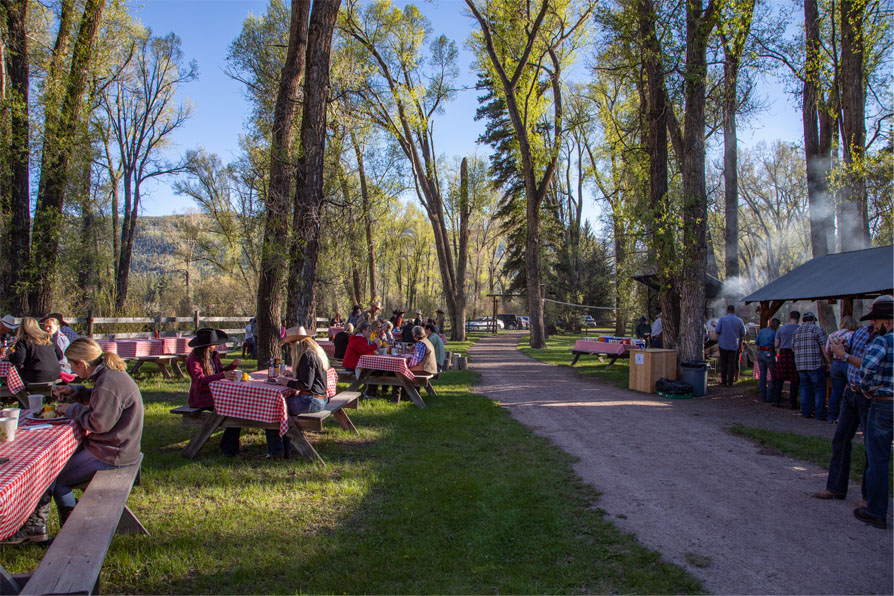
166 326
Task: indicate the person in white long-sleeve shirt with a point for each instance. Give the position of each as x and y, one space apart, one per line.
657 329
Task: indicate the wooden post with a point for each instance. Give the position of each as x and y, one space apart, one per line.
765 314
90 323
847 307
196 320
495 315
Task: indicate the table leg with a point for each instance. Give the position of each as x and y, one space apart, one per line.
576 356
129 524
163 369
429 389
202 435
364 374
302 445
410 388
8 584
343 421
137 367
612 361
175 366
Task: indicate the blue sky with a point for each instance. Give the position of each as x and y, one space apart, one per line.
207 27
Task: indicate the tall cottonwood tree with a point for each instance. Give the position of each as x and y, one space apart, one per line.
309 198
276 226
524 48
402 97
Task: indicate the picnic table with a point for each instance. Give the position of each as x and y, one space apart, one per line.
258 404
601 349
162 352
328 347
397 374
14 382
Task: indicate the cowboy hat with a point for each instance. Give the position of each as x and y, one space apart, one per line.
418 312
375 304
208 337
57 316
9 322
880 309
439 311
294 334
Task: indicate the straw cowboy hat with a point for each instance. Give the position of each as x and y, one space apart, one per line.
208 337
294 334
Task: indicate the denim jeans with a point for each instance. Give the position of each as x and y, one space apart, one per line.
839 381
766 361
854 407
229 442
80 468
296 404
878 450
813 392
793 389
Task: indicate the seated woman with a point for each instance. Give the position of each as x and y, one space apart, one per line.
35 355
204 367
111 413
51 326
308 377
387 332
341 341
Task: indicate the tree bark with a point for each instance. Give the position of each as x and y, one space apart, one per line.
458 327
17 245
309 179
730 164
367 218
855 224
276 223
57 150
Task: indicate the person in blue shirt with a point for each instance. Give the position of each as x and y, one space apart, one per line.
766 357
730 332
877 384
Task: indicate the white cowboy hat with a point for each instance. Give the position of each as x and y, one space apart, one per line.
294 334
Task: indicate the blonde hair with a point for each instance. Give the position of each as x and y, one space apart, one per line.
305 345
30 331
848 322
88 351
349 328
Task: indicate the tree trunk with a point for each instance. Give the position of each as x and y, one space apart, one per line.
458 325
730 165
367 218
309 189
57 150
620 257
18 232
276 228
854 225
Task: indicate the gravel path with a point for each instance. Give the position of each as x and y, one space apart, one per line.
672 475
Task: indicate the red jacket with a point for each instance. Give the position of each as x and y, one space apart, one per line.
199 392
357 346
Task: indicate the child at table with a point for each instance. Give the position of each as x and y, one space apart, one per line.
204 367
308 377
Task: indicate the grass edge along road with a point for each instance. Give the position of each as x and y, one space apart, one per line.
558 352
457 498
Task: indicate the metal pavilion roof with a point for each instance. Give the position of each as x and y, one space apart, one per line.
854 274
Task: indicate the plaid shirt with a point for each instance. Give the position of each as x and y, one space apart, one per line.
878 366
418 354
859 340
807 344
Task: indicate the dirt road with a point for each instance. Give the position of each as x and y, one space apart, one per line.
672 475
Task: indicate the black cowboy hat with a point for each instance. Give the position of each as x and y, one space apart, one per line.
881 309
208 337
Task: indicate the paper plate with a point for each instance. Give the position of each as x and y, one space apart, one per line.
32 416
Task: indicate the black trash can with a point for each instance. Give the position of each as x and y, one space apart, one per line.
695 372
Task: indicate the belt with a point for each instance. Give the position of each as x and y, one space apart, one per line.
763 349
879 397
309 394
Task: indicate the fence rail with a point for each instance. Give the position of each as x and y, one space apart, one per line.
196 321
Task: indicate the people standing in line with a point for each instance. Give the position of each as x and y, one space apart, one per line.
730 332
354 317
766 358
439 320
811 360
34 354
838 371
785 361
877 384
852 414
657 330
341 341
250 344
431 332
643 329
204 367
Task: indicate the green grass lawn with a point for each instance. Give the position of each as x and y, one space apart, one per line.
558 351
457 498
817 450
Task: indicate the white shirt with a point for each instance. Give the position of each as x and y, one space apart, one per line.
656 327
248 332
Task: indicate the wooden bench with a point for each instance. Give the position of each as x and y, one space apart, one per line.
74 560
208 422
162 362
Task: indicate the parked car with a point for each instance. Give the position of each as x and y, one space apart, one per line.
526 320
483 324
511 321
587 321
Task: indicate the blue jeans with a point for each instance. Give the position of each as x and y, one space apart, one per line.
295 404
839 381
813 392
854 407
79 469
229 442
766 361
878 450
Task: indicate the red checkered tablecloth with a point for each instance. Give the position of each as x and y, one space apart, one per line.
107 345
13 380
335 330
601 347
35 459
253 400
386 363
138 348
327 346
168 345
331 379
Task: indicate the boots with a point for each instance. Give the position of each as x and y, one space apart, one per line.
64 512
35 527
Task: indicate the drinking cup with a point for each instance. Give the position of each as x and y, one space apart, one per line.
35 402
8 428
10 413
237 374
